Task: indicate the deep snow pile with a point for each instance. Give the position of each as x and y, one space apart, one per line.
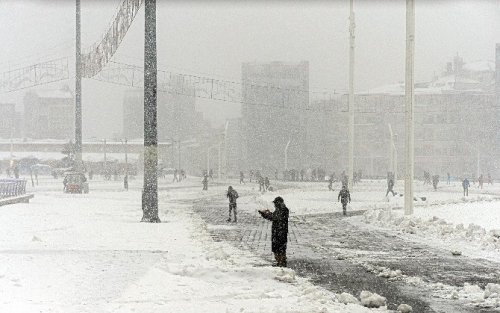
436 227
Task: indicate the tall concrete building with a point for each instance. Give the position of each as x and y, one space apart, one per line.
7 119
49 114
272 117
177 117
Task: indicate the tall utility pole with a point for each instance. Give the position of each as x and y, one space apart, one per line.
409 102
150 189
78 89
352 26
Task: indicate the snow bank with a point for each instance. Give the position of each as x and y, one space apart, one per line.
436 227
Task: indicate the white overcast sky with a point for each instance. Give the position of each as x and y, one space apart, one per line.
214 38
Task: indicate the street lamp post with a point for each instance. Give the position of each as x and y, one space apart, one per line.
409 103
150 186
352 26
286 154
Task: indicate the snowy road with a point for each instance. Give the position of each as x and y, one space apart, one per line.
340 256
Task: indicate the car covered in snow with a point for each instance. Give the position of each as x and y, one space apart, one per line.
75 182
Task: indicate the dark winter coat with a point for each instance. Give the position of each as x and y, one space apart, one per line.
344 196
465 183
279 229
232 195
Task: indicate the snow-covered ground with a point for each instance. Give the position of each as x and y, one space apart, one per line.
89 253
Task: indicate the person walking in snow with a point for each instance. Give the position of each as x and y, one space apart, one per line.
176 178
490 181
390 184
261 184
242 178
435 181
205 182
125 181
330 183
232 195
448 178
267 183
279 230
344 197
466 185
480 181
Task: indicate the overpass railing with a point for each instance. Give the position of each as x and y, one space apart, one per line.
12 187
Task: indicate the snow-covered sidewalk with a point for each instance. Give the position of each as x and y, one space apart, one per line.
89 253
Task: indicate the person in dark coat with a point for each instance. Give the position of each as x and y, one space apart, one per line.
390 184
480 181
466 185
344 197
435 181
232 195
205 182
125 181
262 184
267 183
242 178
279 230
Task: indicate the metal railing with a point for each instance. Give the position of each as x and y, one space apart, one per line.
12 187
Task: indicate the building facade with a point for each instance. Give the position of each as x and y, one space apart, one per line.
49 114
457 123
7 120
272 118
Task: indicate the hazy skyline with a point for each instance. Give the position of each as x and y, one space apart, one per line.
214 38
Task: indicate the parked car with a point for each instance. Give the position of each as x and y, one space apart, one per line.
75 182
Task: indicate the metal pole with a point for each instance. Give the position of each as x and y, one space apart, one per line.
352 26
150 189
126 157
208 160
105 160
391 152
78 88
409 102
286 154
219 161
478 163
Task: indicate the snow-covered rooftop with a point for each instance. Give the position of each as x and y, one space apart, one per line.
480 66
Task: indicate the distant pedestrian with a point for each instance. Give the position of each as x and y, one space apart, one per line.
211 174
261 184
125 181
466 185
279 230
480 181
390 185
330 183
16 172
344 179
435 181
448 178
344 197
267 183
242 178
490 181
205 182
176 178
232 195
